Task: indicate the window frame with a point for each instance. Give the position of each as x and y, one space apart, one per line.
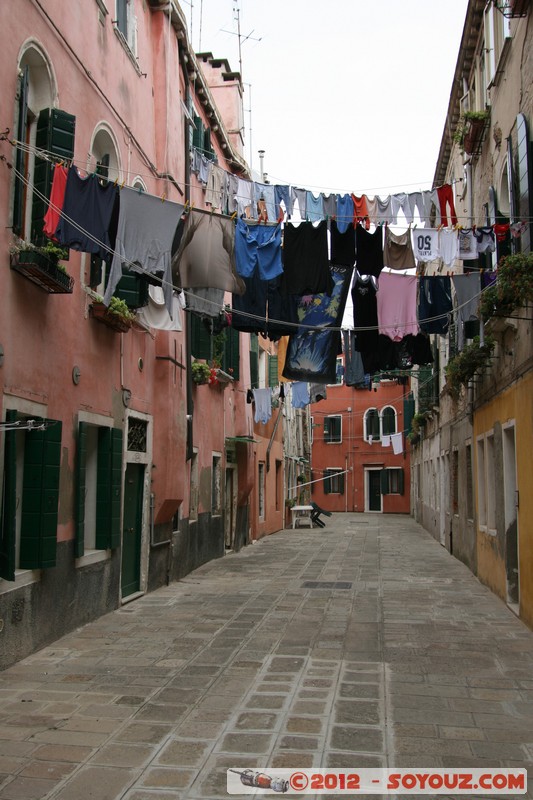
334 480
366 416
333 431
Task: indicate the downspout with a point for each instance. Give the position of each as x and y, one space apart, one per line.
271 442
188 353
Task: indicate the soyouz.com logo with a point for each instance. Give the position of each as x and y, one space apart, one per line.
377 781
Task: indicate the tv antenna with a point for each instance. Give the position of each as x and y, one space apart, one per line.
242 39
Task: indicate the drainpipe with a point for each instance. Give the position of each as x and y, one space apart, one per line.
188 354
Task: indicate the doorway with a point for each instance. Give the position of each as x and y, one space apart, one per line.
130 581
510 489
373 490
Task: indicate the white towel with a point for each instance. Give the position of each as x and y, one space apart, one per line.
397 443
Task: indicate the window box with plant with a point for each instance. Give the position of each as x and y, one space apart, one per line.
513 288
462 368
116 316
41 265
470 129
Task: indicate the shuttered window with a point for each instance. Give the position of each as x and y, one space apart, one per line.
273 379
392 481
254 360
333 481
108 488
55 133
8 520
333 429
231 360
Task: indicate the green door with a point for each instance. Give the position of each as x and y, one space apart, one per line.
374 490
132 529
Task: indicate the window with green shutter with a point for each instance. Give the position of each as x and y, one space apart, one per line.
392 481
334 481
55 133
273 379
108 488
408 412
201 339
21 156
198 133
254 360
231 360
8 519
333 429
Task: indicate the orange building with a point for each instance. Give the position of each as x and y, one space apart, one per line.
355 432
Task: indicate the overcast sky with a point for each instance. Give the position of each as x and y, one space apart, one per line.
346 95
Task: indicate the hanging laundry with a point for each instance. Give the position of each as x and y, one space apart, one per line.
369 251
305 259
426 244
57 198
329 205
467 292
155 314
467 244
398 250
342 245
265 192
486 240
263 405
360 210
434 304
345 212
299 196
243 199
397 443
354 373
385 440
300 397
283 344
86 214
216 193
312 351
501 231
397 305
448 246
445 195
146 228
419 349
314 207
258 247
317 392
206 257
383 212
400 202
421 202
282 310
205 302
283 195
365 313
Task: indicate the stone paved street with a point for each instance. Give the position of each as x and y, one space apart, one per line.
361 645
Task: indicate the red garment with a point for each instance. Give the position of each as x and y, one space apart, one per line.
360 210
501 231
445 195
57 197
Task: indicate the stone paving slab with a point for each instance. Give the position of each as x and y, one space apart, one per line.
362 645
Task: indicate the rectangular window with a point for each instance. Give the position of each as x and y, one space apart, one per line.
455 482
262 382
193 488
279 485
30 497
392 481
469 487
333 429
216 487
334 481
481 493
261 490
491 483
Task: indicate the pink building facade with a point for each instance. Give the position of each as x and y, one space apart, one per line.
120 473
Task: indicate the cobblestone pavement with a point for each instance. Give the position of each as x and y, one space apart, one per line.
361 645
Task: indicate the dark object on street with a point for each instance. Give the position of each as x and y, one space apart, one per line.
259 779
315 515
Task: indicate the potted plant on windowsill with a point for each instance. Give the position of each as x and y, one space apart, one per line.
462 368
116 316
512 290
41 265
201 372
470 128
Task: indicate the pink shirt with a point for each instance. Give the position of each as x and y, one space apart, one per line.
397 306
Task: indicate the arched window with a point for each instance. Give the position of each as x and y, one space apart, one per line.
371 425
104 161
388 420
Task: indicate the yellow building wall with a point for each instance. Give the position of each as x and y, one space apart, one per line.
514 404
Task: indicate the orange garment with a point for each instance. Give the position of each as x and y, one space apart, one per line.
360 210
283 344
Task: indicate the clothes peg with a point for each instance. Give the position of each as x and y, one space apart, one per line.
122 184
163 197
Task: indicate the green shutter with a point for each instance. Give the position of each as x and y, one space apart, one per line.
80 491
327 436
108 488
198 133
273 380
384 481
133 289
400 481
254 360
20 162
40 497
231 360
408 412
327 482
55 133
425 388
8 520
201 344
525 189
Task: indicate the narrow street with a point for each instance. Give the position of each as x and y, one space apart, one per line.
361 645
